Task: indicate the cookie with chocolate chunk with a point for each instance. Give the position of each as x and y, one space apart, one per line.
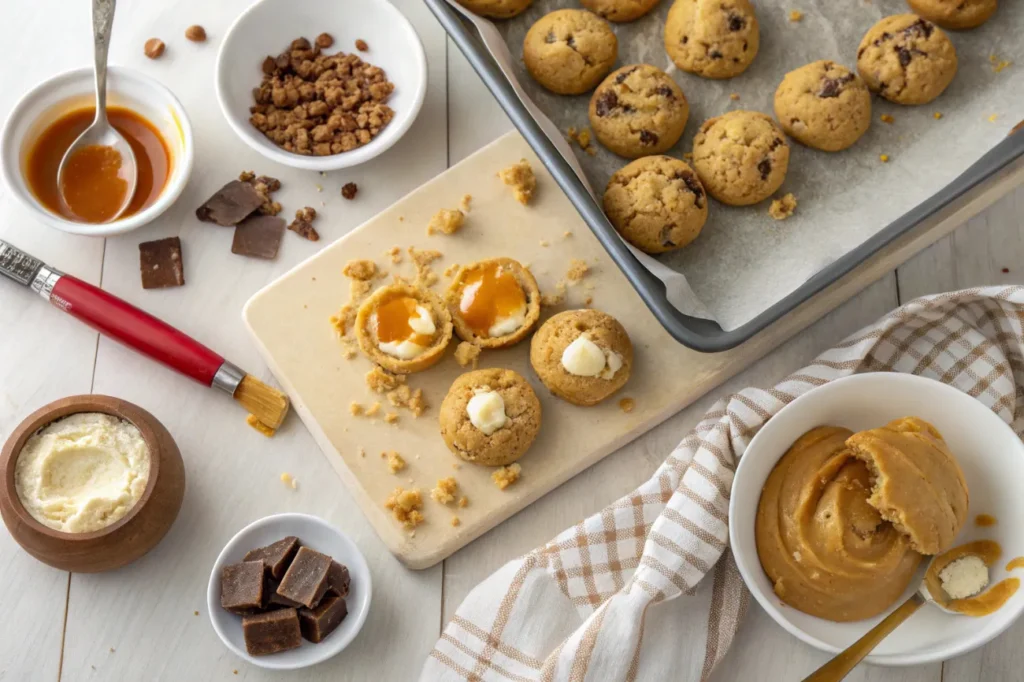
906 59
638 110
620 10
656 203
741 157
956 14
823 105
569 51
495 9
712 38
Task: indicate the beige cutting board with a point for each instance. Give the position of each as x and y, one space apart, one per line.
290 322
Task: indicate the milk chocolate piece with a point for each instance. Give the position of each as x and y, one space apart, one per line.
338 579
306 579
258 237
242 587
277 600
317 623
271 632
276 557
160 263
231 204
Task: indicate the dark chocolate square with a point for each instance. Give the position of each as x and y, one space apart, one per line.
258 237
242 587
317 623
276 557
306 580
160 263
231 204
271 632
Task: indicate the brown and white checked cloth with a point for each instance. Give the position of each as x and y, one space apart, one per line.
621 596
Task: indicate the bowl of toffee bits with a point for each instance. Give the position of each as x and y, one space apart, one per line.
319 86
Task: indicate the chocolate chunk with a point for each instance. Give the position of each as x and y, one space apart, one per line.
303 224
349 190
765 167
831 87
338 579
160 263
606 102
692 184
269 66
904 55
317 623
715 54
647 138
685 40
625 74
306 580
776 143
665 91
272 632
736 22
571 42
550 37
283 61
919 28
665 234
241 587
300 44
258 237
882 38
231 204
276 557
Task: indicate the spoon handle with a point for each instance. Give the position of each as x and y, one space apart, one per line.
102 23
845 661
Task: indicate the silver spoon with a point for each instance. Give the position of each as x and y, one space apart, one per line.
100 132
846 660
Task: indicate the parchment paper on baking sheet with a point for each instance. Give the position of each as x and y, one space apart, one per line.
744 261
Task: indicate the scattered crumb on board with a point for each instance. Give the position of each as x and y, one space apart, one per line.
287 479
467 354
783 207
405 506
446 221
444 491
627 405
505 476
395 461
520 177
795 15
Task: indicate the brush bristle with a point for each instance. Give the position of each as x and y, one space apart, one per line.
267 404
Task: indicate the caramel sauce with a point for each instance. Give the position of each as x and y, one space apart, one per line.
489 294
984 520
393 317
152 158
94 185
1015 563
989 601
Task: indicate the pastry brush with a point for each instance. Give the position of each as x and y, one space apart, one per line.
143 333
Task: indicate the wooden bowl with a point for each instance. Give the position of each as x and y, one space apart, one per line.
122 542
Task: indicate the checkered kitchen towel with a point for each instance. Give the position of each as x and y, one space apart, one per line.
646 589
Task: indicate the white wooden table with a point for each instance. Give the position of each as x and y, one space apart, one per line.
138 623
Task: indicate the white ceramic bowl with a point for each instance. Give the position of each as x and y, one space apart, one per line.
992 459
316 534
269 26
71 90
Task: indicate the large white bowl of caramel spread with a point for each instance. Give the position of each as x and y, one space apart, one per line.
842 499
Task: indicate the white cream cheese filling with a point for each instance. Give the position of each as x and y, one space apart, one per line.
584 358
486 411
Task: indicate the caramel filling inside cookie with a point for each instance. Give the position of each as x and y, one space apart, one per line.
404 328
492 303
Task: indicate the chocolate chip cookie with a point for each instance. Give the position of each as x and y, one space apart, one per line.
638 110
741 157
495 9
823 105
955 13
569 51
712 38
906 59
656 203
620 10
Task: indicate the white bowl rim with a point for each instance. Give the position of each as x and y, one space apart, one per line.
889 660
175 184
359 569
349 159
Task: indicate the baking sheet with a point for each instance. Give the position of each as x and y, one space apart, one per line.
744 261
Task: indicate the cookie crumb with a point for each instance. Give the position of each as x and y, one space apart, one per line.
587 301
405 506
795 15
195 613
403 396
557 298
456 466
937 115
394 254
505 476
395 462
578 269
422 258
455 521
361 270
362 46
349 191
355 409
195 33
688 157
463 502
391 418
303 224
627 405
234 672
446 221
444 491
362 451
886 118
783 207
566 234
287 479
253 421
379 380
997 63
734 96
372 410
582 137
464 204
544 243
992 118
467 354
520 177
112 649
452 270
884 158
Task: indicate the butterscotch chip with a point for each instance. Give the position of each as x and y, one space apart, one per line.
253 421
154 48
395 462
324 40
405 506
360 270
783 207
506 476
195 33
520 177
446 221
444 491
467 354
362 46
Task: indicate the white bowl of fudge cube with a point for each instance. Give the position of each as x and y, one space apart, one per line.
289 591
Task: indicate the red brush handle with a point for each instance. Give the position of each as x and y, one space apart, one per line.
138 330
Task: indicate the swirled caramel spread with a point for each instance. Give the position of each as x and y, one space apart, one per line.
844 518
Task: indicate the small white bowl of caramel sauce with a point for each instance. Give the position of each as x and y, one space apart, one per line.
48 118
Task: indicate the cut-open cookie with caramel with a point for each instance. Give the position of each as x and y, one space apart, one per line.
403 328
493 303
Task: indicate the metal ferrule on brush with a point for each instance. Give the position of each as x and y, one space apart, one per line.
228 378
28 271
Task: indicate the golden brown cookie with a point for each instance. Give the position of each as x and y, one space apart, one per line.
823 105
403 328
494 303
956 14
712 38
620 10
490 417
569 51
496 9
656 203
582 356
638 110
741 157
906 59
